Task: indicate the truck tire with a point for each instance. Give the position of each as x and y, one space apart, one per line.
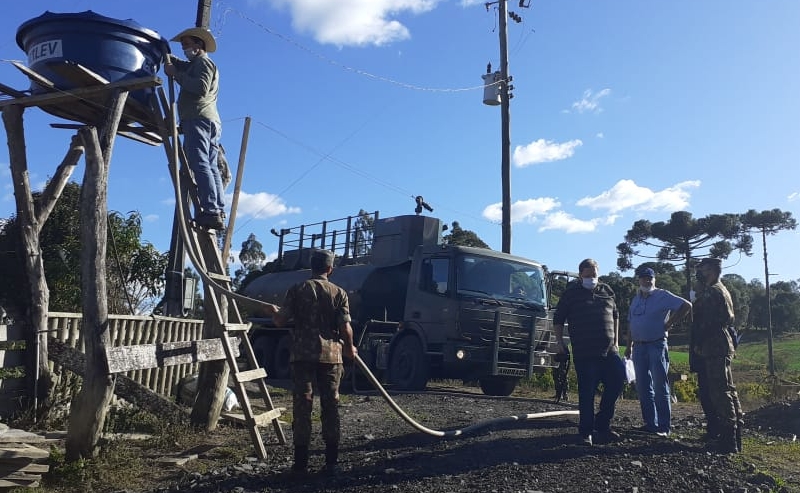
498 386
280 358
408 369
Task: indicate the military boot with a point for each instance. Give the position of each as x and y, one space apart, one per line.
300 465
713 428
331 459
727 442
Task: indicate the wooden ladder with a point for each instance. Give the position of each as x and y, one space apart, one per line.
203 250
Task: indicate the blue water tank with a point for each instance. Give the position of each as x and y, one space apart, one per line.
114 49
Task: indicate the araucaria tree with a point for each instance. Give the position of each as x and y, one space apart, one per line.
683 239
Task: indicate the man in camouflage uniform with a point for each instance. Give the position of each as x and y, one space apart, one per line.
712 350
321 336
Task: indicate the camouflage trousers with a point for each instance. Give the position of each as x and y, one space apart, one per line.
717 393
324 377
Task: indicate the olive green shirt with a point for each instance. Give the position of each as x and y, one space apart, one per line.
199 81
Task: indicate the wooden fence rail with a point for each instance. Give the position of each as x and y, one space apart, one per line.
125 330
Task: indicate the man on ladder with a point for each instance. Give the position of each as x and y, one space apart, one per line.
200 122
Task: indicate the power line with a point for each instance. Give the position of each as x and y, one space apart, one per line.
343 66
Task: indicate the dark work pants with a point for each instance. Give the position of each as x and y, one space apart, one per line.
716 388
608 370
306 375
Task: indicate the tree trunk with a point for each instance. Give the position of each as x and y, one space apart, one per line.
90 407
213 379
35 314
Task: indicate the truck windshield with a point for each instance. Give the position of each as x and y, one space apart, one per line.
500 279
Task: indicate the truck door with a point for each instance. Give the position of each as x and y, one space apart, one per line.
428 300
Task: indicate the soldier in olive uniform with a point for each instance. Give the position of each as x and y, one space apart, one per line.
321 336
712 350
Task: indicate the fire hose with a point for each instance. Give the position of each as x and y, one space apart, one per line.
452 433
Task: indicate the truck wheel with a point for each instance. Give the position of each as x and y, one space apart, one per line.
499 386
407 366
280 359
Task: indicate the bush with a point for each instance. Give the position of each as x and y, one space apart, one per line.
685 390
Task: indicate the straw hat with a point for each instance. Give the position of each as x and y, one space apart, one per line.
202 33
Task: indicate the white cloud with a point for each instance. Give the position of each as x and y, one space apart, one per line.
544 151
626 194
600 135
262 205
353 22
590 102
522 210
566 222
793 196
151 218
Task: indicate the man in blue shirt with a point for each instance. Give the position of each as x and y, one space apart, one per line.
653 311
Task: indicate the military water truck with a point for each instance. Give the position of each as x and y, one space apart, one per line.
421 309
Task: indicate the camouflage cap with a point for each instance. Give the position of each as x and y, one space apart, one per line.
321 259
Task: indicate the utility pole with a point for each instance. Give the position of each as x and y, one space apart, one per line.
771 358
505 121
503 94
173 303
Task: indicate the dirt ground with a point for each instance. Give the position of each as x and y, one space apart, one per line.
382 453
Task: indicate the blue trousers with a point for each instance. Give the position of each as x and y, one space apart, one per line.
608 370
651 362
201 145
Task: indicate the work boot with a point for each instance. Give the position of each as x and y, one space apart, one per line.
727 442
331 460
712 430
300 466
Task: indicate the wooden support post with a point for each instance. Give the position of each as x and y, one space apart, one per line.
35 317
213 378
90 407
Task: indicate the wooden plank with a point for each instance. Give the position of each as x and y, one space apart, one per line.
76 73
144 137
8 466
82 92
127 358
21 476
238 327
20 436
250 375
35 76
261 420
139 395
18 484
11 91
22 450
219 277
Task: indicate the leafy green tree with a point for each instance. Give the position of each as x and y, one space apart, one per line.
363 228
683 239
135 269
785 307
252 258
741 297
463 237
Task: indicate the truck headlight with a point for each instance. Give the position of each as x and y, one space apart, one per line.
461 354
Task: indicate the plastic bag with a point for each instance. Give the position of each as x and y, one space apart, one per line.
630 372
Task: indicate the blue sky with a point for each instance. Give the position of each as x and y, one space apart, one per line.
622 110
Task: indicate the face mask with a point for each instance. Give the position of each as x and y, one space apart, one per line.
646 289
589 282
191 53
